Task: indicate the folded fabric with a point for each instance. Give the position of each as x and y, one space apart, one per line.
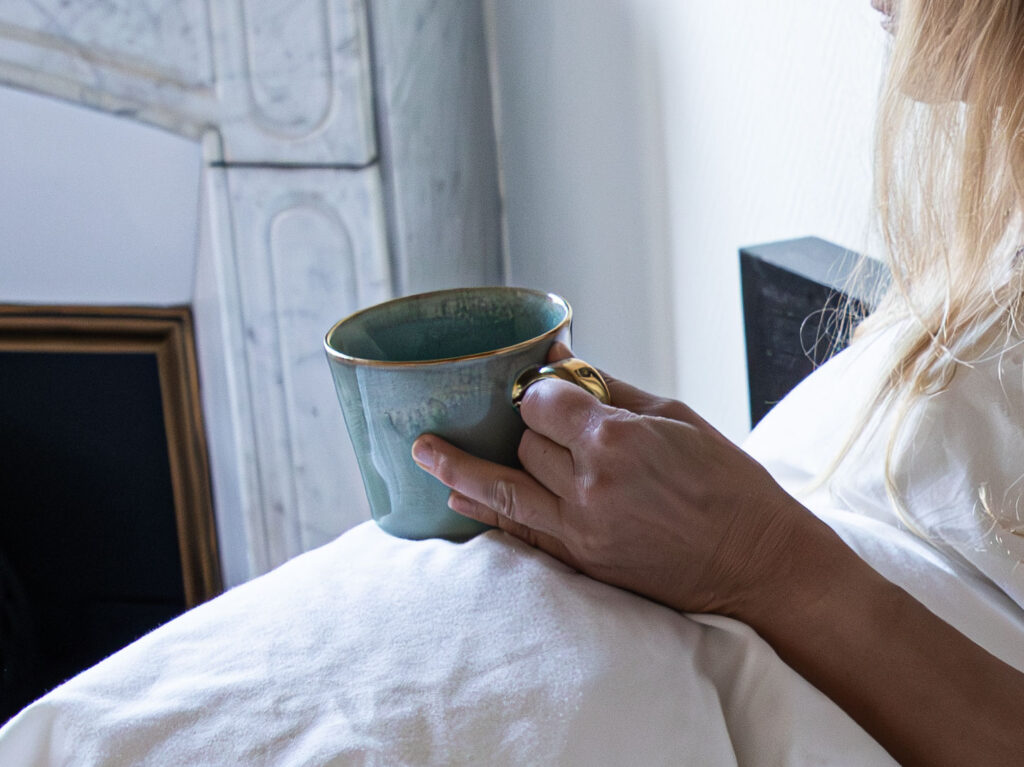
374 650
955 462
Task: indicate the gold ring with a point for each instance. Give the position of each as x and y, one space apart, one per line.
573 370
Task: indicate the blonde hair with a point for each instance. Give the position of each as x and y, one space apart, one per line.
949 176
949 185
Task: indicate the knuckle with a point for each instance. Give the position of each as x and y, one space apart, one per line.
666 408
612 445
595 545
610 431
504 499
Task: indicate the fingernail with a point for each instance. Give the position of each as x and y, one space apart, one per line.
423 453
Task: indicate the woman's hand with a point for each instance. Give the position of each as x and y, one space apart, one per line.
643 494
647 496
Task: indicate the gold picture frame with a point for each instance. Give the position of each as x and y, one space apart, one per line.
167 334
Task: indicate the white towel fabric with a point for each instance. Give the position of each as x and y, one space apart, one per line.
373 650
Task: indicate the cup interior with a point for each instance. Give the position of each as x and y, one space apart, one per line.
447 324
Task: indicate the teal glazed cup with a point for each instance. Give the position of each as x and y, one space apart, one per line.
448 363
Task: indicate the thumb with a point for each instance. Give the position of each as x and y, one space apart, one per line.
629 397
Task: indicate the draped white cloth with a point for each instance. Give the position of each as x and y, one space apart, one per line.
374 650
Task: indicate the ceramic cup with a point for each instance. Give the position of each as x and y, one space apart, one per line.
448 363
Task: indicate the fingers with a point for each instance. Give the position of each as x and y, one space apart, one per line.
509 494
548 462
553 546
641 402
565 413
467 507
560 411
632 398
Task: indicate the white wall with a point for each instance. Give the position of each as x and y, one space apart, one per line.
582 158
644 141
94 209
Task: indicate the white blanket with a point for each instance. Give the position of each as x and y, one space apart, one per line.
373 650
380 651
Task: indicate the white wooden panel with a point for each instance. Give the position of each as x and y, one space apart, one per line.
438 143
296 83
310 249
167 41
284 82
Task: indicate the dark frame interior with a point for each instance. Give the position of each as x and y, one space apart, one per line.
167 335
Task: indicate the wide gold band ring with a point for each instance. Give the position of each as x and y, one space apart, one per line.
573 370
